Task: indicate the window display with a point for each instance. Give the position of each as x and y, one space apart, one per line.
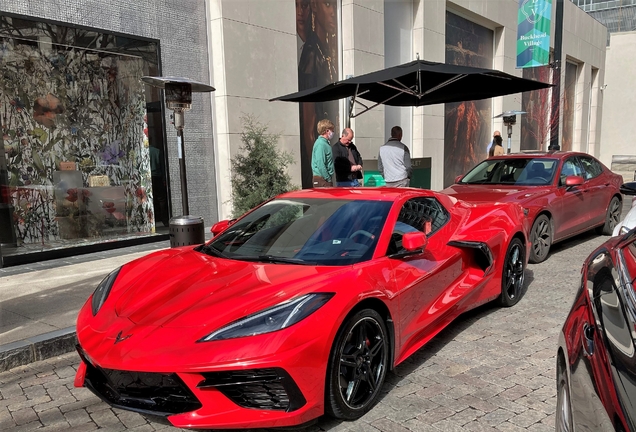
74 133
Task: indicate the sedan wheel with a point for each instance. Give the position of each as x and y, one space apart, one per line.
357 366
612 217
541 238
513 274
563 417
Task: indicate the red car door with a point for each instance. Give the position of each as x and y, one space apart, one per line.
597 184
571 203
424 281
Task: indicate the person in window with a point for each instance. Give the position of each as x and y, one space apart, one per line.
347 160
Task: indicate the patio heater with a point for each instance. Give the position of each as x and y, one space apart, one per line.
184 230
509 119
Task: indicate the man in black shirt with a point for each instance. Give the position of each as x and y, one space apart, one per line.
347 160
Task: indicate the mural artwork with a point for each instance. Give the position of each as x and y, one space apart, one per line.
569 100
538 121
317 36
467 124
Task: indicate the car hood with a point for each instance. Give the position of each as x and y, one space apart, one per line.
188 288
495 193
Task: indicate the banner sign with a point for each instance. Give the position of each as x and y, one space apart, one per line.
533 33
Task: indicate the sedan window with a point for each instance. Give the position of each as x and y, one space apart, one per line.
591 166
570 168
307 231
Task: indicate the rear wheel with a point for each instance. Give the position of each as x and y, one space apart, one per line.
513 274
541 238
357 365
612 217
563 417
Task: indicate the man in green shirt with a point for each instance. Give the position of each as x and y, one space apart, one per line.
321 156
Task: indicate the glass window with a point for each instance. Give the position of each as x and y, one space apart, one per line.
82 136
570 168
592 168
426 215
513 171
309 231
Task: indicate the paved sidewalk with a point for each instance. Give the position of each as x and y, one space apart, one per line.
39 302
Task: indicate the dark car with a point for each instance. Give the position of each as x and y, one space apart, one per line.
596 361
564 193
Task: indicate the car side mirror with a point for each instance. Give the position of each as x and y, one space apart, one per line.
220 226
413 243
571 181
458 178
628 188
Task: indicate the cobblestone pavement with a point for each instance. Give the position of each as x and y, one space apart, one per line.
491 370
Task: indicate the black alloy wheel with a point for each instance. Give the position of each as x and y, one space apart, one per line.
357 366
513 274
541 239
612 217
563 415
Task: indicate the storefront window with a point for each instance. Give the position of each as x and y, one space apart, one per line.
82 136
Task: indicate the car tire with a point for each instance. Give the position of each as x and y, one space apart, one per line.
541 239
563 415
357 366
612 217
512 276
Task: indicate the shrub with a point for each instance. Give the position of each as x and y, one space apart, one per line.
259 172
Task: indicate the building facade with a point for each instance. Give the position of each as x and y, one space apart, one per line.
252 51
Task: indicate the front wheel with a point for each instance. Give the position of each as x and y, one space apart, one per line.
357 366
563 415
612 217
541 239
513 274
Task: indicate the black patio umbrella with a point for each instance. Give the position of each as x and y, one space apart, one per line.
419 83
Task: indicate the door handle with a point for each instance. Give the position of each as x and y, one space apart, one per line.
588 340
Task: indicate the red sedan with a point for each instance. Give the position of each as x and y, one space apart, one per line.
563 193
298 308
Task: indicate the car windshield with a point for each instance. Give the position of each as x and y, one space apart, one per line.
304 231
513 171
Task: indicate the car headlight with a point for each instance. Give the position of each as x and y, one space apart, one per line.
103 289
270 320
623 230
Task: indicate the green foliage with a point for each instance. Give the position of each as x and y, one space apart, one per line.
259 172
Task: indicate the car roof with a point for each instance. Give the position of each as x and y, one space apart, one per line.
358 193
540 155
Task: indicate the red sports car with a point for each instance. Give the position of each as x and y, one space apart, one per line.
298 308
563 193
